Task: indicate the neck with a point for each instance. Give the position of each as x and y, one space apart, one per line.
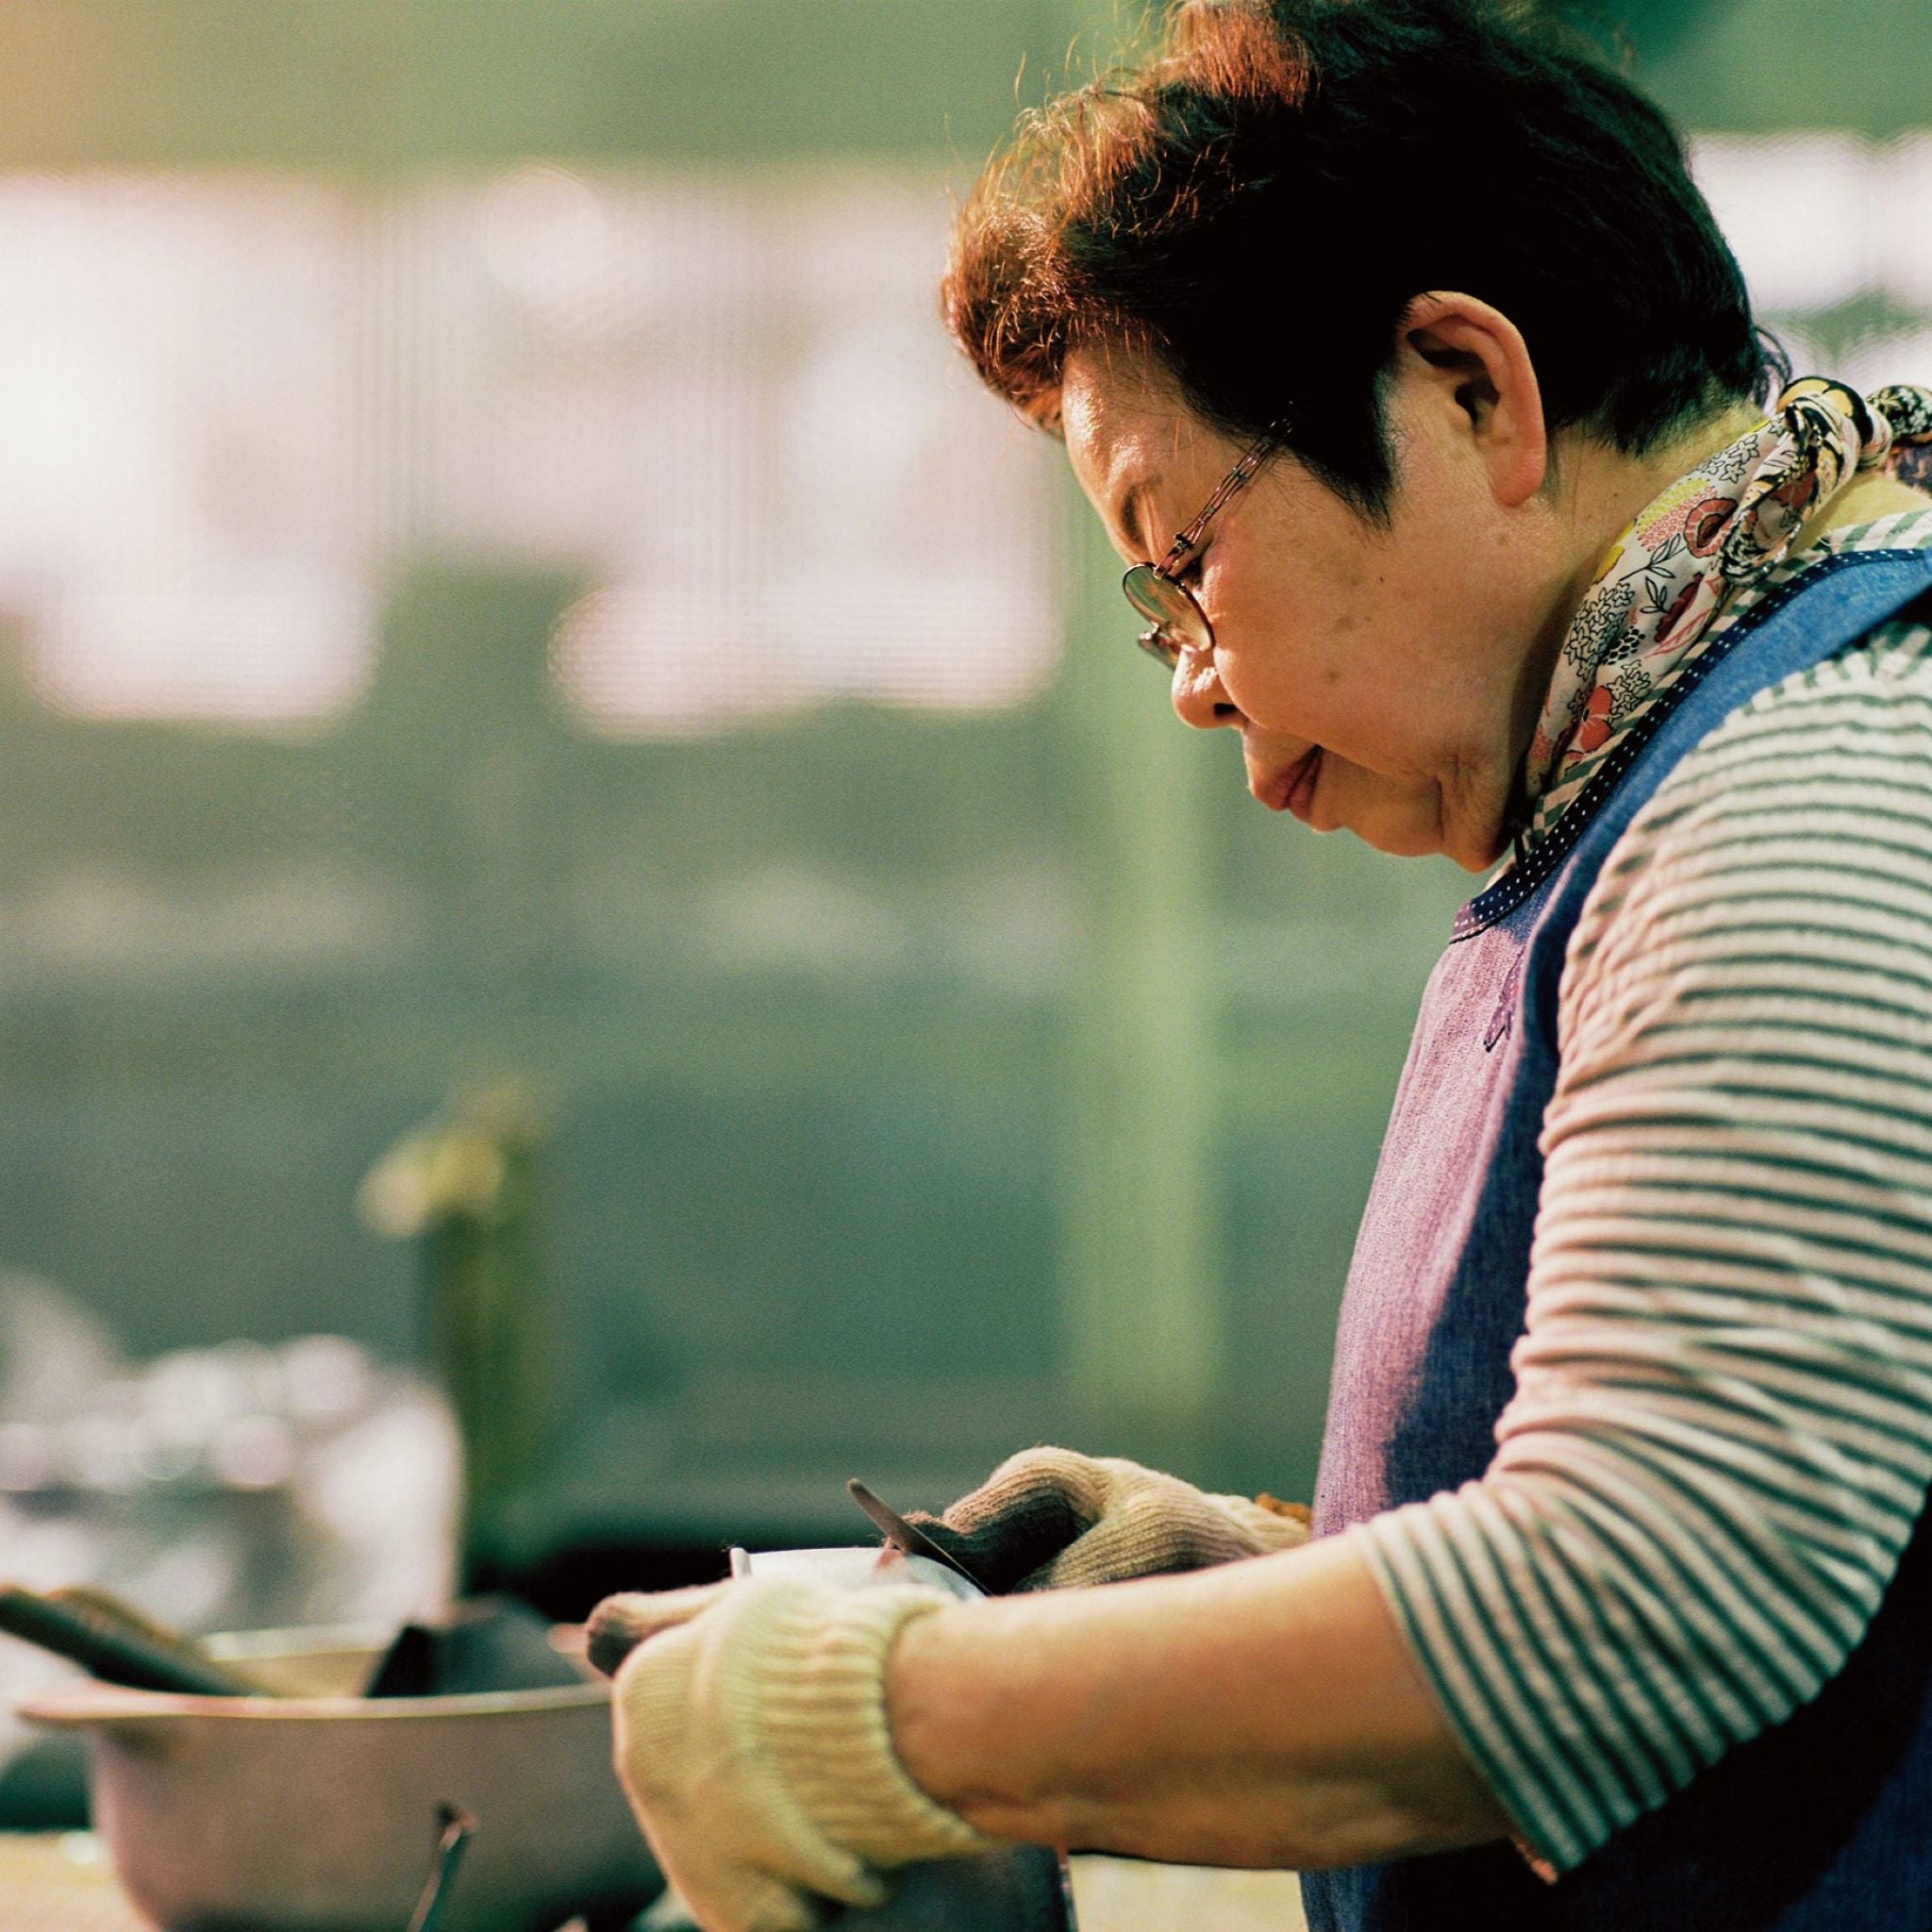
1601 491
1595 493
1863 501
1590 496
1598 493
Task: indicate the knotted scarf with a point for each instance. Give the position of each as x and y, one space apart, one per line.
1726 526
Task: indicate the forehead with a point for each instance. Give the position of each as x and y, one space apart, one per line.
1129 435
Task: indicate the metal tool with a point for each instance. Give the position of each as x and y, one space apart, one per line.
905 1536
116 1645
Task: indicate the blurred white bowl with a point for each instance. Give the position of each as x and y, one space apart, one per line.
317 1811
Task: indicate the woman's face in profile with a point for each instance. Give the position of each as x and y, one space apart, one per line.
1376 674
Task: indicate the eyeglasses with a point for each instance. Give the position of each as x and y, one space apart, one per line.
1175 621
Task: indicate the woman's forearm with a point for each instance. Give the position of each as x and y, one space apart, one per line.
1266 1713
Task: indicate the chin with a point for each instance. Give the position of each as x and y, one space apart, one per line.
1416 848
1422 834
1402 839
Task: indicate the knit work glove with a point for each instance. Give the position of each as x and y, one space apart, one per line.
752 1743
1047 1519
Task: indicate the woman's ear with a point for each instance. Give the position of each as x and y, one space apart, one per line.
1475 360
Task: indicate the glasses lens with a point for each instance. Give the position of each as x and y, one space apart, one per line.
1176 621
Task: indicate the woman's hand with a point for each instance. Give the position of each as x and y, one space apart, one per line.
1048 1519
752 1743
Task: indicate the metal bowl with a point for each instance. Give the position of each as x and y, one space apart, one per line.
317 1811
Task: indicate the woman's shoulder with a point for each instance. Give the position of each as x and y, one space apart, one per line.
1794 839
1827 768
1857 717
1854 730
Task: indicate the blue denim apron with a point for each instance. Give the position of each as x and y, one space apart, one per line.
1821 1825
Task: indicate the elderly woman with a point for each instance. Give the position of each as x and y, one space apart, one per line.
1406 367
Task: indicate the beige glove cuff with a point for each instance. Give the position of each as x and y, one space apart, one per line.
823 1713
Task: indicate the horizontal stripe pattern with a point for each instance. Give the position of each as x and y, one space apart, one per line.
1721 1431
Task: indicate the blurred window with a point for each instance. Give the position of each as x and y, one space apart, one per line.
234 402
1834 233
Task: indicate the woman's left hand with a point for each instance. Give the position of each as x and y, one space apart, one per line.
1051 1519
753 1744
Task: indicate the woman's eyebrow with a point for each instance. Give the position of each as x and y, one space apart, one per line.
1127 519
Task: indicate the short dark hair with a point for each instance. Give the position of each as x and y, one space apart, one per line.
1259 201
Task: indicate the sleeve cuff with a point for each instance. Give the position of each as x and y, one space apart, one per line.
1553 1834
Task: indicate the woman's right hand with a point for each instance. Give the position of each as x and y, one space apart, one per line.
1049 1519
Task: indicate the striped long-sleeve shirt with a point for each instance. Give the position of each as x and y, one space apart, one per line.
1721 1431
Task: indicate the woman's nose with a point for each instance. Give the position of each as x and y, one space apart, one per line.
1198 698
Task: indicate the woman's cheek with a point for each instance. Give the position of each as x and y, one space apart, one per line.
1258 691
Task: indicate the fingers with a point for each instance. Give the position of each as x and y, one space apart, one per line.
753 1902
1267 1521
1035 1480
1011 1530
621 1623
1161 1526
999 1552
1031 1507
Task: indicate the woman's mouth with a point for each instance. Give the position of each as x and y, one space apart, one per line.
1301 785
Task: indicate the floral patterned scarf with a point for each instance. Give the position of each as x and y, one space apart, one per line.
1726 525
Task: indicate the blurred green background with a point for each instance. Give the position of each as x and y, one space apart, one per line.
501 579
